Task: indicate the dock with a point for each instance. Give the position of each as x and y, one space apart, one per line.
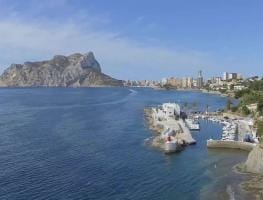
230 144
171 128
186 134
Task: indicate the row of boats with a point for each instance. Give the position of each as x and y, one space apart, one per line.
230 128
230 131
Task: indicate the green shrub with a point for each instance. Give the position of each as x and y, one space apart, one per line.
241 93
260 108
245 110
228 104
256 85
252 97
260 128
234 108
222 90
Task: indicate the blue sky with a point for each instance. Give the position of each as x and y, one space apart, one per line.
137 39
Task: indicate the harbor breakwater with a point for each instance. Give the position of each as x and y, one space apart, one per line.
171 134
246 146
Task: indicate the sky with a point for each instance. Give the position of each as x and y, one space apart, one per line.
137 39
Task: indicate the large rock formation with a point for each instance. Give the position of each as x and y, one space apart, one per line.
77 70
254 163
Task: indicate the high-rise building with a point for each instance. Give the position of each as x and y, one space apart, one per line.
184 83
172 81
200 80
189 82
194 83
233 76
225 76
230 76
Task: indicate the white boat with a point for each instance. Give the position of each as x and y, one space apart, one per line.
192 124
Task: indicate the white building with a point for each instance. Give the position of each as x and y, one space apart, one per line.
239 87
164 81
167 110
171 109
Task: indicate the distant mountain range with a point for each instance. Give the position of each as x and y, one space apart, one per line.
76 70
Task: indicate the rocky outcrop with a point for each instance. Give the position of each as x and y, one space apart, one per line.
76 70
254 162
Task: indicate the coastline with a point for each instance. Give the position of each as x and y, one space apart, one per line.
253 183
194 90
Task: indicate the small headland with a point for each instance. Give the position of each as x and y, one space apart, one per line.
171 131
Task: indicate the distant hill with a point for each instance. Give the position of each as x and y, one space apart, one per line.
76 70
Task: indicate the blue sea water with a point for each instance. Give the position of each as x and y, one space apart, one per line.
61 143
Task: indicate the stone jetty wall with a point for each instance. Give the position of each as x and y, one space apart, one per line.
230 144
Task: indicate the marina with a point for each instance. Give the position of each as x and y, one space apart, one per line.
237 132
174 128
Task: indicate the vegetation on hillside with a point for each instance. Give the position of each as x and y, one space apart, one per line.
259 125
168 86
252 95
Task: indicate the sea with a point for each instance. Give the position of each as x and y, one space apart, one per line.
91 143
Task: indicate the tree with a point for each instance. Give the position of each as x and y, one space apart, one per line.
241 93
260 107
228 104
234 108
245 110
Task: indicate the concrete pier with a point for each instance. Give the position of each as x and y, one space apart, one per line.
186 134
246 146
172 131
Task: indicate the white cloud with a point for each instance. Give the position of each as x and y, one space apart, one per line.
121 57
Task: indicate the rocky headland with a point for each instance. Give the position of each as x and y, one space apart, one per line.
76 70
253 167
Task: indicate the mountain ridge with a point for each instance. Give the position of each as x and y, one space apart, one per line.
75 70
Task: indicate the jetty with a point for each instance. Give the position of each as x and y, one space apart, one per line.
230 144
172 131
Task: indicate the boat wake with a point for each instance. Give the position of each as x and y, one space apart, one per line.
122 100
133 92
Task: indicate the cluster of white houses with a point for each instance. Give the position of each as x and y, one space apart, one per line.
166 111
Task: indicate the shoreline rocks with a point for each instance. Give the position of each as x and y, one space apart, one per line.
254 162
253 168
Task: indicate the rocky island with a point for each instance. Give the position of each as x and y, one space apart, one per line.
76 70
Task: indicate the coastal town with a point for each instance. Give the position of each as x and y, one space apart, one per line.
241 122
247 92
227 82
173 127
